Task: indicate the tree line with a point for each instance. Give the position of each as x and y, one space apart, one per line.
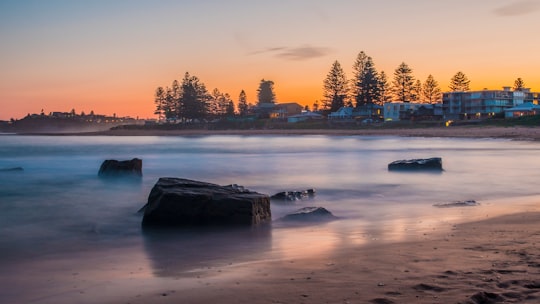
370 86
190 100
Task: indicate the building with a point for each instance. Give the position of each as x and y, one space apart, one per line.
396 111
343 113
485 103
372 111
524 109
305 116
284 110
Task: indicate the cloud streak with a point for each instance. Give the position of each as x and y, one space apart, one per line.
518 8
295 53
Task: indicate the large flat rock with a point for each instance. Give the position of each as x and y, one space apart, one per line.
184 202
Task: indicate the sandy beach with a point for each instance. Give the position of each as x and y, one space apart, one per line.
493 260
496 260
516 132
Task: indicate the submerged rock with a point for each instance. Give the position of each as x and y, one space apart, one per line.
291 196
310 214
115 168
468 203
184 202
434 163
13 169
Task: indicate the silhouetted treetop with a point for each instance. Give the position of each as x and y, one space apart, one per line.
459 82
335 88
403 83
519 84
265 92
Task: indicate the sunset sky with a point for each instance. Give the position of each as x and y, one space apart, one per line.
109 56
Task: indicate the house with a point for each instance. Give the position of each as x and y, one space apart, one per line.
343 113
370 111
304 116
524 109
485 103
264 109
284 110
396 111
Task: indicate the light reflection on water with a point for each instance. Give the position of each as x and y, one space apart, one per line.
58 205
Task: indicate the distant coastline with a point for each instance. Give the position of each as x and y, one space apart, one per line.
513 132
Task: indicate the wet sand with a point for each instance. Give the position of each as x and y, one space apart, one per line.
491 261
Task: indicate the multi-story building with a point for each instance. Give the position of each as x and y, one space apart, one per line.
485 103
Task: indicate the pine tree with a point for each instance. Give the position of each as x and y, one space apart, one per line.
417 91
243 104
230 108
194 100
459 83
519 84
358 73
213 108
384 89
265 93
366 82
403 83
225 105
218 104
335 88
169 108
431 91
159 101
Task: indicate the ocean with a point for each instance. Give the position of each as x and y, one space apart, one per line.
67 235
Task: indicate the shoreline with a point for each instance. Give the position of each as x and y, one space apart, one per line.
488 261
514 133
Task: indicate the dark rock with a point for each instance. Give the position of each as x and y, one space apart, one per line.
486 298
382 301
14 169
468 203
427 287
183 202
291 196
114 168
310 214
434 163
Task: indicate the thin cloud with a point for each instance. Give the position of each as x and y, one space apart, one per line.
518 8
296 53
267 50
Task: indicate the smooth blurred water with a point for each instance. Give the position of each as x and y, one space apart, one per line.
58 205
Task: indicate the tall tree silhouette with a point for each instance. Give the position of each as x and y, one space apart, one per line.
459 82
219 103
194 100
265 92
335 88
384 89
403 83
159 101
242 104
431 90
366 81
416 95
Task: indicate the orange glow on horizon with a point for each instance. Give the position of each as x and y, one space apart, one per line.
138 102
